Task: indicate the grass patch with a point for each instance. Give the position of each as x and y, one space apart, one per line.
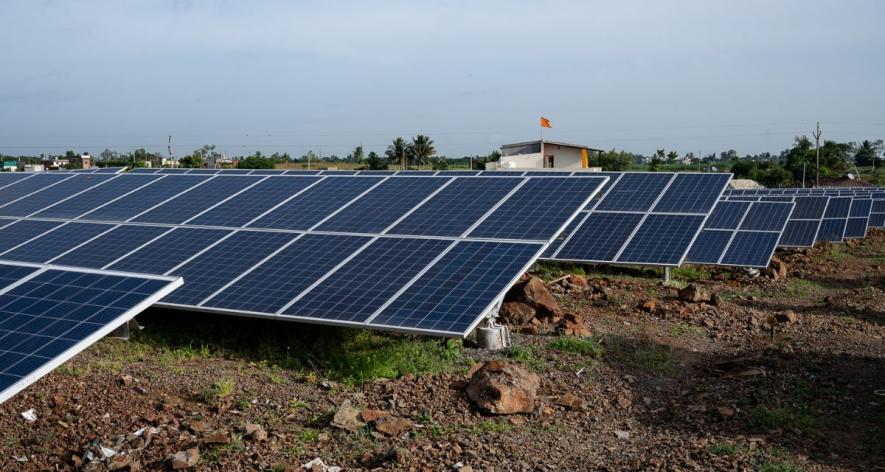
349 356
803 287
723 449
644 355
584 346
837 252
778 466
690 273
681 329
218 390
762 418
525 355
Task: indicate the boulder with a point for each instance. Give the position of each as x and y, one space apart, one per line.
572 324
392 425
578 283
779 268
348 417
186 459
535 293
517 313
503 388
571 402
692 293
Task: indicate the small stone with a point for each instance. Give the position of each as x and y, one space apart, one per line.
373 415
692 293
624 402
217 437
715 299
119 461
517 420
392 425
725 411
649 305
126 380
186 459
788 316
348 417
572 324
255 432
57 400
622 434
199 426
324 437
571 402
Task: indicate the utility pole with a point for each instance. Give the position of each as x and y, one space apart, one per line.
170 152
817 153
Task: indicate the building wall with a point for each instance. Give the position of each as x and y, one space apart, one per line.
563 157
522 161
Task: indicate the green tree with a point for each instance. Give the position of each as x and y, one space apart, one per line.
867 153
615 160
256 161
422 149
375 162
192 160
440 163
672 156
356 155
396 152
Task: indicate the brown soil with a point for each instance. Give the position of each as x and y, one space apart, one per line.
682 386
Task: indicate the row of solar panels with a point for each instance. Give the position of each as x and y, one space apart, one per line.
362 251
506 173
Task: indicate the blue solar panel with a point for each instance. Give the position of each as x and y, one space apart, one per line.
50 195
176 170
21 231
856 228
838 207
109 170
276 282
878 206
634 192
253 202
877 220
727 215
799 233
109 247
860 208
170 250
809 208
203 171
504 173
185 206
561 237
224 262
767 216
53 243
10 274
26 186
86 201
376 172
750 249
338 172
143 170
692 193
52 315
383 205
455 173
832 230
539 209
662 239
318 202
709 246
452 295
234 171
267 172
457 207
143 199
10 178
360 287
601 237
302 172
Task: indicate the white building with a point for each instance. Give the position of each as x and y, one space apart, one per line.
543 154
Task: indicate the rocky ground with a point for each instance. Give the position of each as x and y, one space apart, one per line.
610 370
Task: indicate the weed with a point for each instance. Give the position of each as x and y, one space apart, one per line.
690 273
761 418
802 287
218 390
723 449
778 466
585 346
524 354
681 329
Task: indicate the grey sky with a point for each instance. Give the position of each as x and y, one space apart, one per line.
291 76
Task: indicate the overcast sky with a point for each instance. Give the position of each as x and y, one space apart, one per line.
290 76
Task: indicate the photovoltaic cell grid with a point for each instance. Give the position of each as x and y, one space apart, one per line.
376 269
642 218
48 314
742 234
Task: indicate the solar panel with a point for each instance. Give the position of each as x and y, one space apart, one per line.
202 197
51 195
727 215
96 196
858 218
760 223
748 249
143 199
54 242
21 231
254 201
832 230
466 281
709 246
109 247
25 187
168 251
48 315
538 210
143 170
316 203
652 219
109 170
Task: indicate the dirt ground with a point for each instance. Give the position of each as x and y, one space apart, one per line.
737 384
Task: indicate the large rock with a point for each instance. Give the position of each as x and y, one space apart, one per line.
694 294
348 417
185 459
572 324
517 313
503 388
779 268
536 294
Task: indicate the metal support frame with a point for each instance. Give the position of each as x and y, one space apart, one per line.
489 334
668 276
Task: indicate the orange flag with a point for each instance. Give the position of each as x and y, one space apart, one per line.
545 123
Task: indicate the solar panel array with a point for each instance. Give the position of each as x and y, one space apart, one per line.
419 253
743 234
50 313
644 218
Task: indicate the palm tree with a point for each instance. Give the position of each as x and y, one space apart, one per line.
422 149
396 152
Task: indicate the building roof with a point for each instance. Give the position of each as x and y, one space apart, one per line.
555 143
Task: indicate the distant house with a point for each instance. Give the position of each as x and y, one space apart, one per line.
9 166
55 164
83 161
543 154
33 167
